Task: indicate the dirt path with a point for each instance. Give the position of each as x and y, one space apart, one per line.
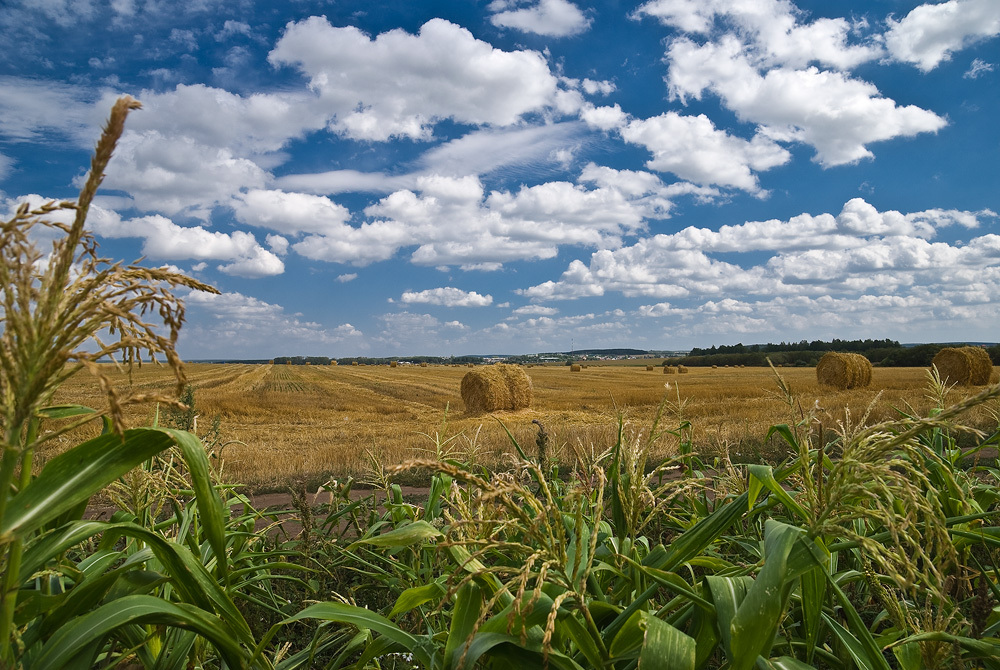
290 525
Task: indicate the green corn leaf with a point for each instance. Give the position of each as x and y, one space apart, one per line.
685 547
209 503
415 597
359 617
582 638
64 411
727 594
756 622
665 648
782 663
813 592
508 648
763 475
629 638
72 638
187 574
76 475
404 536
854 647
468 606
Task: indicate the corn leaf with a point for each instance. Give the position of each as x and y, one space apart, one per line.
415 597
74 637
665 647
468 605
756 621
362 618
77 474
404 536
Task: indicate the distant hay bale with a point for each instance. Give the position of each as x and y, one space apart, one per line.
649 368
575 368
492 388
393 364
333 362
423 364
669 370
354 362
715 367
844 371
968 366
681 370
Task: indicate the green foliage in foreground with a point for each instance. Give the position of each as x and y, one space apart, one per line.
874 551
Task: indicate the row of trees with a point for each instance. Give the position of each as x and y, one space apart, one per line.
883 353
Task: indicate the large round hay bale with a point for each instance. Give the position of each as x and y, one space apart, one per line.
669 370
982 366
393 364
575 368
649 368
968 366
844 371
333 362
682 370
492 388
423 364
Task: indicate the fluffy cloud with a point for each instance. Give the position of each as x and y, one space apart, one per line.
555 18
165 240
177 175
448 297
828 110
441 73
452 221
694 149
772 30
858 251
930 33
785 74
291 213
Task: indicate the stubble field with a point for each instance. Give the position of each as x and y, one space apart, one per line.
286 424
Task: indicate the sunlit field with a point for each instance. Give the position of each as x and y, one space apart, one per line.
288 423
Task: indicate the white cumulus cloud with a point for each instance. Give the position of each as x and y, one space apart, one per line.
448 297
443 72
930 33
555 18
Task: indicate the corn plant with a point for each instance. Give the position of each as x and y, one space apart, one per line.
60 605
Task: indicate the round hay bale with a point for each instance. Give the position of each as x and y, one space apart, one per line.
715 367
982 366
968 366
423 364
393 364
682 370
497 387
354 362
575 368
649 368
844 371
669 370
333 362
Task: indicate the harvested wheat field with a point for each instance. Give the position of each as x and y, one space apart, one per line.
288 423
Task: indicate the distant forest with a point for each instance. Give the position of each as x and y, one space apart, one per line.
884 353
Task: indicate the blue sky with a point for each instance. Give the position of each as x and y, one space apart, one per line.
518 176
